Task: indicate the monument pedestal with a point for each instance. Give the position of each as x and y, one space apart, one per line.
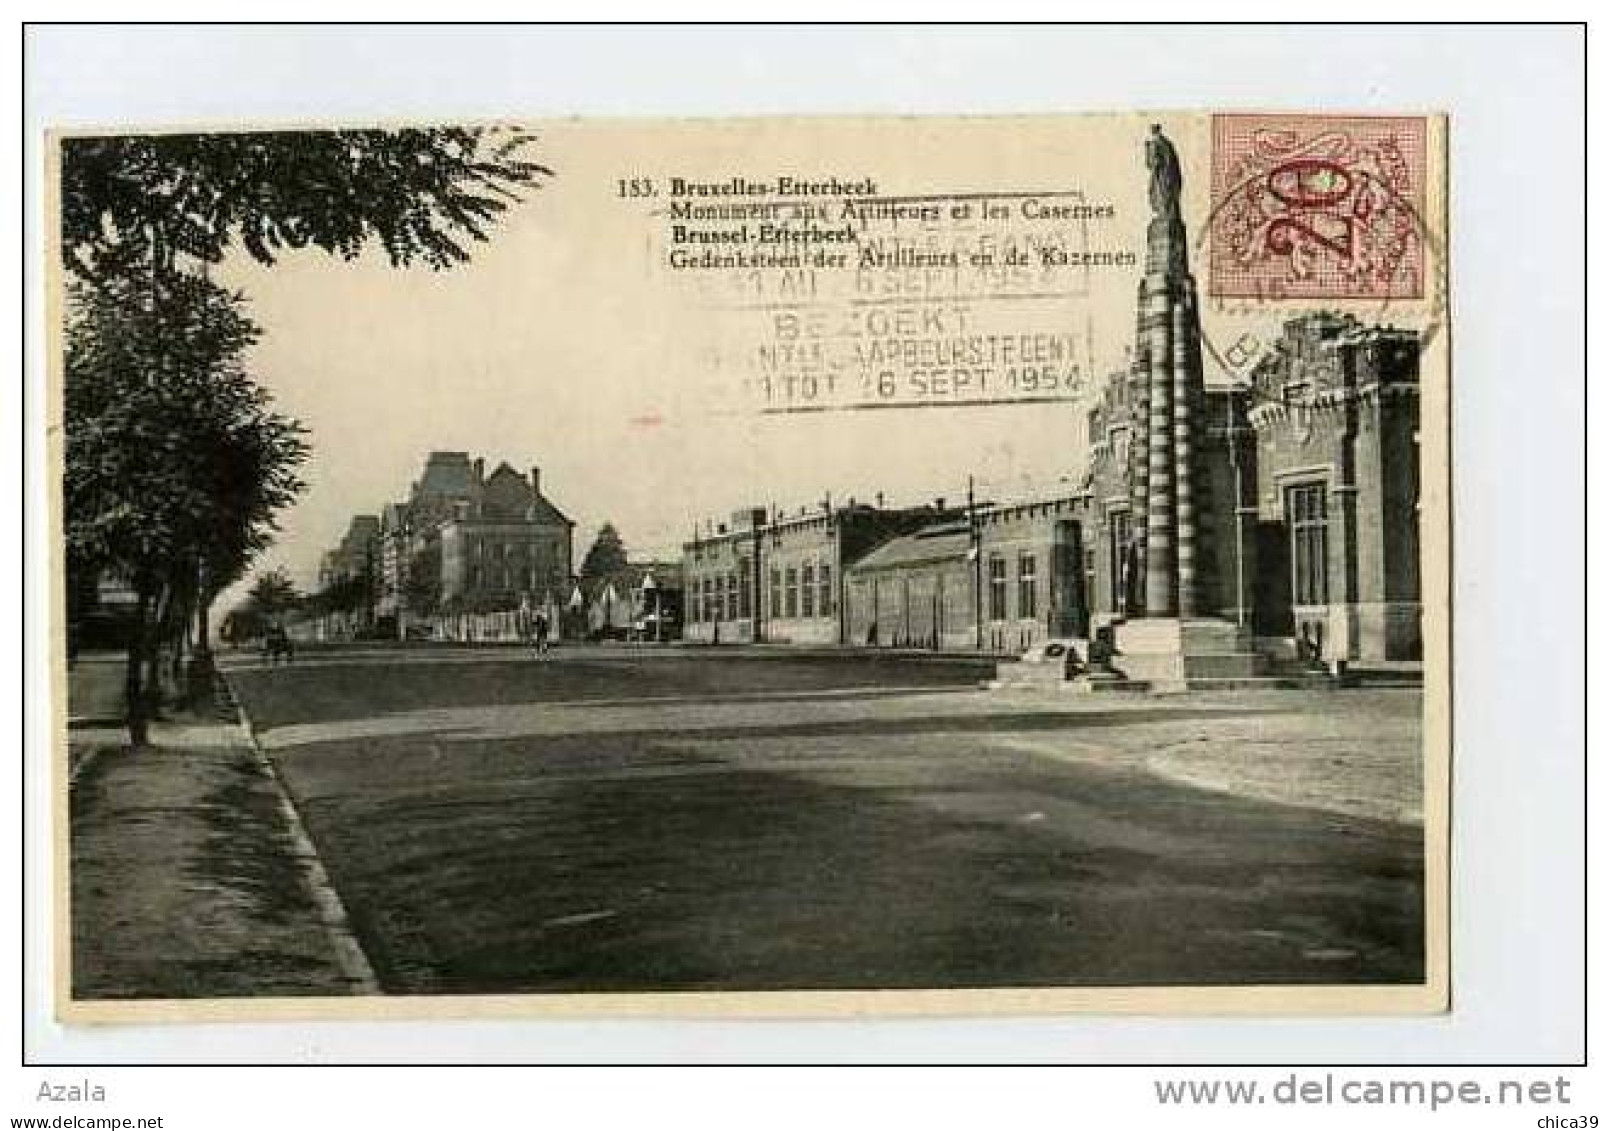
1172 654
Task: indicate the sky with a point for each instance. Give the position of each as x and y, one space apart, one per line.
568 343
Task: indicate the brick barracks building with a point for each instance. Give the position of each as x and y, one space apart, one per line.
1310 534
897 577
1002 580
776 578
1306 542
1217 530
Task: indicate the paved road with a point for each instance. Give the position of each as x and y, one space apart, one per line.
606 821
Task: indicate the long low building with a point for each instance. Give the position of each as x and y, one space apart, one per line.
1307 535
909 577
1001 580
775 578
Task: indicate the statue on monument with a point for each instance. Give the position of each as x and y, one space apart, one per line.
1166 179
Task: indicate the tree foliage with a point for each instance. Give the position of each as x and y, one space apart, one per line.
271 598
172 451
607 555
273 594
175 462
422 194
348 594
422 586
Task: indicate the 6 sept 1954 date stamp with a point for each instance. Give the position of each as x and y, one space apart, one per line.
1308 206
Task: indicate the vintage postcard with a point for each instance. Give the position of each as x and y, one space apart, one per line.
781 566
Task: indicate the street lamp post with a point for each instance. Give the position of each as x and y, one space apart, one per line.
651 599
1240 500
975 550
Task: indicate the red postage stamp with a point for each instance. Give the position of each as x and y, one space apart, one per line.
1313 206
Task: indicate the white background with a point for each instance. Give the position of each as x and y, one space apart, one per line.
1517 252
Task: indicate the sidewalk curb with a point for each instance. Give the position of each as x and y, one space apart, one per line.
354 963
76 770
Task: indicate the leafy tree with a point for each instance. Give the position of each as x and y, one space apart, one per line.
175 463
271 598
133 200
272 595
344 595
607 555
422 586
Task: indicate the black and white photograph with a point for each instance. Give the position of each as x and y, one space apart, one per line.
956 574
755 564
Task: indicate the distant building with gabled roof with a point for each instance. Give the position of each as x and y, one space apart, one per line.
466 541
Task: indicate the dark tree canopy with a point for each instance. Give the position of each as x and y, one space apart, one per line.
173 454
176 464
343 595
422 586
273 593
421 193
607 556
271 597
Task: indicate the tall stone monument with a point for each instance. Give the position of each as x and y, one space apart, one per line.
1167 353
1173 638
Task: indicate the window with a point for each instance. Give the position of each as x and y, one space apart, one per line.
776 594
1027 586
1123 570
790 593
731 596
997 587
745 578
1306 510
824 580
807 591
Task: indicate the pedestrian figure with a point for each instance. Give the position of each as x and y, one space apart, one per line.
277 645
540 624
1311 648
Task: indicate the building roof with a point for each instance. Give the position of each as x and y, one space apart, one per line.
667 575
940 542
544 512
446 473
628 581
360 533
394 516
454 488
